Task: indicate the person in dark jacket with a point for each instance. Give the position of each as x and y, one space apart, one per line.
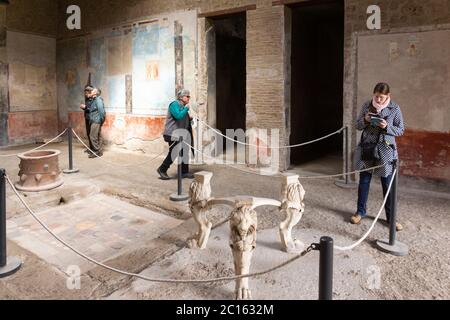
85 107
178 123
380 121
95 118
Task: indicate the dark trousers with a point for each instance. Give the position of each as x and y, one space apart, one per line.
95 138
172 155
363 193
88 132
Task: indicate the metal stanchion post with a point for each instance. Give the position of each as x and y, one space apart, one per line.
345 183
8 266
180 196
326 269
392 246
69 142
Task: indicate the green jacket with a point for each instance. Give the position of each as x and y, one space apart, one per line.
97 111
177 118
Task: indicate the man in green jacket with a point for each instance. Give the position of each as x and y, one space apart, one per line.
97 116
178 123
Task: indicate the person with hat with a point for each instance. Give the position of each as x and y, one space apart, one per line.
95 117
178 123
85 107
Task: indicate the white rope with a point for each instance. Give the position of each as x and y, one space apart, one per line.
282 147
40 147
137 138
115 164
374 221
227 164
358 171
279 175
341 174
92 260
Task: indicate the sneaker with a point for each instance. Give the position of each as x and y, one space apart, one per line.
163 175
188 176
356 219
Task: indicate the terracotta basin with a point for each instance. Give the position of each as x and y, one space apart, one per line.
39 171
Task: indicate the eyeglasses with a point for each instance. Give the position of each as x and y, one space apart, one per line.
188 97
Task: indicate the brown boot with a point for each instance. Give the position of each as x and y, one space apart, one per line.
356 219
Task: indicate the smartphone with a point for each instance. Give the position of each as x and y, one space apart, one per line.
375 120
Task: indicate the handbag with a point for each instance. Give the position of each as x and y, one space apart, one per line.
369 150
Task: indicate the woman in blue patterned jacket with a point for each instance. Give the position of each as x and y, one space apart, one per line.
381 121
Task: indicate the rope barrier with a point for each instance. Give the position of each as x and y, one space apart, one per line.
341 174
92 260
40 147
374 221
279 175
310 248
115 164
282 147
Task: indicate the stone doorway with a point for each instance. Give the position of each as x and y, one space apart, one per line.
317 65
226 51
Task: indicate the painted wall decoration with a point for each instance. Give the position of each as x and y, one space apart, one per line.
416 67
32 113
150 44
32 68
143 53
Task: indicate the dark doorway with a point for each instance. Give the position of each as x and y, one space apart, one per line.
230 74
317 78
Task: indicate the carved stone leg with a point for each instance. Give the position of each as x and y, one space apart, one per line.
293 216
292 207
243 224
242 262
204 229
200 193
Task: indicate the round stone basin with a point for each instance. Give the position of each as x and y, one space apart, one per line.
39 171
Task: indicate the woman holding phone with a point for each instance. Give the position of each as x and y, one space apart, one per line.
380 121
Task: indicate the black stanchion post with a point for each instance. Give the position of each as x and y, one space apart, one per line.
179 196
8 266
180 168
326 269
2 218
392 245
70 148
393 198
70 143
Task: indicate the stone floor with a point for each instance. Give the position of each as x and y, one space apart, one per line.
296 281
105 207
100 226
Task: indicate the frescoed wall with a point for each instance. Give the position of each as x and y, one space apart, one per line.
32 87
138 68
